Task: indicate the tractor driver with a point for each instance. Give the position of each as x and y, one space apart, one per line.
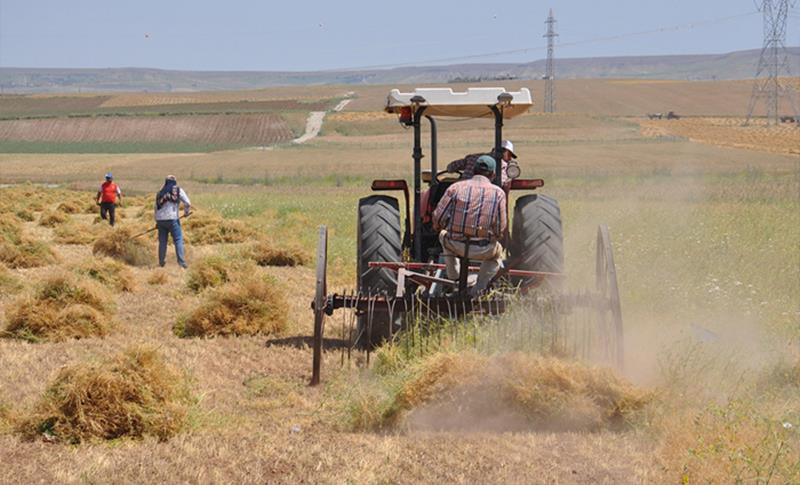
473 210
466 165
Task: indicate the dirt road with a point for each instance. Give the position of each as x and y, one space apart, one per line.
314 122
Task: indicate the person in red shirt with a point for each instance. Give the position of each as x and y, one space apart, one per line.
108 197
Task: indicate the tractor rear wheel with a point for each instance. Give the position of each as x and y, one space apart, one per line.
378 241
537 239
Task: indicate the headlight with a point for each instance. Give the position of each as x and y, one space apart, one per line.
513 171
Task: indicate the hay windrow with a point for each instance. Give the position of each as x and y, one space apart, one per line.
19 251
61 308
71 207
110 273
210 271
250 306
133 394
25 215
512 391
52 218
8 282
6 418
212 229
266 253
118 243
157 277
78 234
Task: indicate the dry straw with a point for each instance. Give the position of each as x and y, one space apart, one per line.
61 308
78 234
108 272
71 207
266 253
52 218
210 271
542 393
19 251
157 277
133 394
119 243
6 417
212 229
252 305
8 282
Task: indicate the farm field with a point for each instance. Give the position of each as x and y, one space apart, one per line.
706 234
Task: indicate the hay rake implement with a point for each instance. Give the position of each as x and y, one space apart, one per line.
585 324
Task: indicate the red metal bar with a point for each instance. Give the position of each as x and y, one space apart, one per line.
526 184
434 266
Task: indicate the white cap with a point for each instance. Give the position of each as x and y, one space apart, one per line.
507 145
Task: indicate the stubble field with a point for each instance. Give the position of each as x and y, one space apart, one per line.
707 242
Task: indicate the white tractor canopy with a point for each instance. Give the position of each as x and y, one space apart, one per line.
472 103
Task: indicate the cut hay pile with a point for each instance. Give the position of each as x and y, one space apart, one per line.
25 215
19 251
509 392
8 282
212 229
252 305
118 243
266 253
78 234
5 417
157 277
133 394
52 218
61 308
110 273
72 207
210 271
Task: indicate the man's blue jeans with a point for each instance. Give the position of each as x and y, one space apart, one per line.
165 228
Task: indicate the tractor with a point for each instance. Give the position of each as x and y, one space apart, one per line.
399 265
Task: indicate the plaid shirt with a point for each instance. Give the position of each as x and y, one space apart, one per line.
466 166
473 208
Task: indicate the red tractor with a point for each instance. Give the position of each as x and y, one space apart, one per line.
400 265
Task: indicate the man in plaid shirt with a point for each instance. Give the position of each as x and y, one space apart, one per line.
474 210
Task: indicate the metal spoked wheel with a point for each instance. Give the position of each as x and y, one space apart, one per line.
608 291
319 302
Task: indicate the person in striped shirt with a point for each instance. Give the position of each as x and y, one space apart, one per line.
473 210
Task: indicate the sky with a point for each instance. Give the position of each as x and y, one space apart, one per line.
299 35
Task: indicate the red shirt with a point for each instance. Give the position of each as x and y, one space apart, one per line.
474 208
109 191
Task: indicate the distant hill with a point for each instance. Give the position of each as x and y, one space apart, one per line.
734 65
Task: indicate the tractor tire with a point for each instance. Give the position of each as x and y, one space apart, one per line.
379 240
537 238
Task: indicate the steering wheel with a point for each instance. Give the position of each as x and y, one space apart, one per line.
445 176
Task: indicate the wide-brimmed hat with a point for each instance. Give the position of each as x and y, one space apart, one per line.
507 145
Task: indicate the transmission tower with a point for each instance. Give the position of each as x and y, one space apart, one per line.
773 63
550 73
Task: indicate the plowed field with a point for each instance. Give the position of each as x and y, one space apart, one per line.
256 129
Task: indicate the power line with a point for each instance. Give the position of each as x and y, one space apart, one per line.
527 50
550 72
773 63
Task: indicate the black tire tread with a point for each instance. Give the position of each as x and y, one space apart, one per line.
537 238
378 240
